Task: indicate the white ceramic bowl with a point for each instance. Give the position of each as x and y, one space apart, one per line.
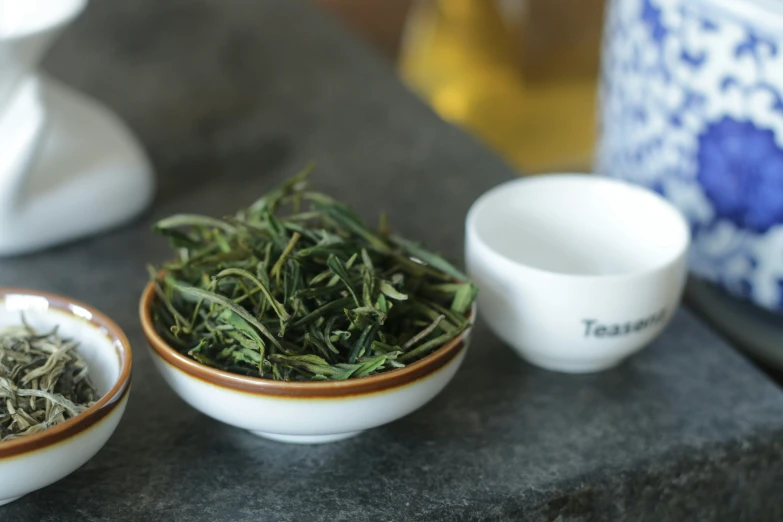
32 462
303 412
576 272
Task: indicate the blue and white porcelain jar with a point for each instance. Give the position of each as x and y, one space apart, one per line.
692 107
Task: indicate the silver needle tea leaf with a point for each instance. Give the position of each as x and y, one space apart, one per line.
43 381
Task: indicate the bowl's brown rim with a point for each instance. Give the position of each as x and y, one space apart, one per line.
321 389
98 411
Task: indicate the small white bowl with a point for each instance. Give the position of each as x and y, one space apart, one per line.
34 461
576 272
303 412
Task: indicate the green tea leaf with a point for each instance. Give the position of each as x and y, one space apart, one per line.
222 301
463 298
389 291
297 287
277 306
370 366
192 220
339 270
428 257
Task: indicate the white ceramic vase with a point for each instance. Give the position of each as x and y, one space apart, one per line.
68 166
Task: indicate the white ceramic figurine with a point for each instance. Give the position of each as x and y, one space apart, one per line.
68 166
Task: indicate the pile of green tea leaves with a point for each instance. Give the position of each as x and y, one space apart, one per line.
43 381
297 288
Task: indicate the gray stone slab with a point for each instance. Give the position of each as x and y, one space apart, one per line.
230 97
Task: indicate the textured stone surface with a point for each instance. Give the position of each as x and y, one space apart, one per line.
232 96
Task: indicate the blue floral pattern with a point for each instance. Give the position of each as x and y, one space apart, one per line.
740 169
692 107
654 20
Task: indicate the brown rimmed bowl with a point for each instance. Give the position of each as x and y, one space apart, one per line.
34 461
303 412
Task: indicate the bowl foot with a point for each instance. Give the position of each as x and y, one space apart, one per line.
306 439
567 366
9 500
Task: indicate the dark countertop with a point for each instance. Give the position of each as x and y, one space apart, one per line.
230 97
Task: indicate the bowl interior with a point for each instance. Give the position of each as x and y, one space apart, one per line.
99 347
371 383
579 225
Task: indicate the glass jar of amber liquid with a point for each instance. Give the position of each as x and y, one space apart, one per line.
519 74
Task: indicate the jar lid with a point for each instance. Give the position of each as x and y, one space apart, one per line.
767 14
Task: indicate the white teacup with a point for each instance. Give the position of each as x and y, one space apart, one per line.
576 272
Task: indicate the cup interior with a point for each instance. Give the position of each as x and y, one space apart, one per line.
581 225
99 349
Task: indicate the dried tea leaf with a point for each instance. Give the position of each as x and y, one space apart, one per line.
296 287
43 381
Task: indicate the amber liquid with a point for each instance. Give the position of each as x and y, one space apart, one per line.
463 57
